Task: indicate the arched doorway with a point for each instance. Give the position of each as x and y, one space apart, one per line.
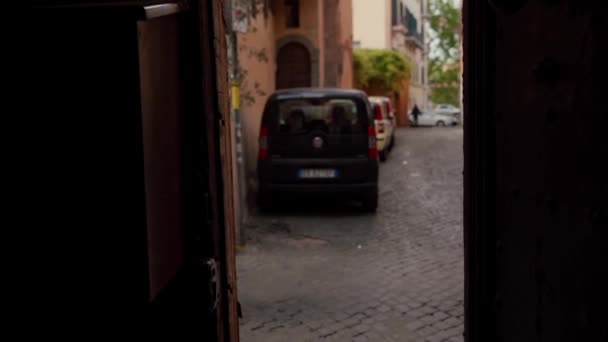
293 66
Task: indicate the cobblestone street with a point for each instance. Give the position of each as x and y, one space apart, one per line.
328 273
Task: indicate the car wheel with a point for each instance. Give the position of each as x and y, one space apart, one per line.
370 203
383 155
440 123
392 142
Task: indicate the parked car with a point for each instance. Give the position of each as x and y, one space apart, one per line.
448 109
384 119
319 141
434 119
388 105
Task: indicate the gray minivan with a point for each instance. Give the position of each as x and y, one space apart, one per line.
318 141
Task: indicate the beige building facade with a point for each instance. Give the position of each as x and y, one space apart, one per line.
372 24
397 25
408 37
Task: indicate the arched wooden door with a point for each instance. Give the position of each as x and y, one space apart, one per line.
293 66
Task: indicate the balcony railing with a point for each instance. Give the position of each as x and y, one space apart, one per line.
415 37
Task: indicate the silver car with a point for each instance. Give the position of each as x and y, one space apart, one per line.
434 119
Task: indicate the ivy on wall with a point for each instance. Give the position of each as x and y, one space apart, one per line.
250 92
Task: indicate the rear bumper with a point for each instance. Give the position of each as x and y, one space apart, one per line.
283 173
329 189
381 143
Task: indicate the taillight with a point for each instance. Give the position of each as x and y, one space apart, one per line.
388 107
263 151
379 119
371 138
378 112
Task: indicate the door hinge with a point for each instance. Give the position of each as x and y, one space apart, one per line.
213 289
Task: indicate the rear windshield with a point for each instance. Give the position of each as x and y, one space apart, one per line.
336 116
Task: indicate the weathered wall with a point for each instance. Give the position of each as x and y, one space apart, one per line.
321 40
418 94
309 21
338 30
387 28
257 58
332 44
345 20
372 23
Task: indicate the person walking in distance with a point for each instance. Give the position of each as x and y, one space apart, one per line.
415 113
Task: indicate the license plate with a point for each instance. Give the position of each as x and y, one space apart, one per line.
317 173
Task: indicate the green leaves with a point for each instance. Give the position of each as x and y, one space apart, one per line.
375 66
444 60
445 26
449 95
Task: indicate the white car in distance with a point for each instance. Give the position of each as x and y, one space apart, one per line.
434 119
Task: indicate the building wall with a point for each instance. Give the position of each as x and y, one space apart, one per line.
338 31
387 28
332 41
311 28
372 23
345 18
320 40
418 94
309 21
372 28
261 71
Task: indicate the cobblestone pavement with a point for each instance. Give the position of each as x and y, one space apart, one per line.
313 273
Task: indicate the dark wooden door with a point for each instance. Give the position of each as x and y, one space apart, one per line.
293 66
128 120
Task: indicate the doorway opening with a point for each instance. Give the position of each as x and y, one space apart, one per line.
315 267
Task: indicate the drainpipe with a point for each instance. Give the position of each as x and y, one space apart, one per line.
236 119
240 159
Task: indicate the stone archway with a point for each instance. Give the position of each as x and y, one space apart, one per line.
297 63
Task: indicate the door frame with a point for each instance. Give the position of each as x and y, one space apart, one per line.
214 55
479 36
